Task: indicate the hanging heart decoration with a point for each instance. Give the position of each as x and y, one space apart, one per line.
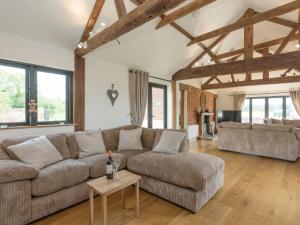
112 94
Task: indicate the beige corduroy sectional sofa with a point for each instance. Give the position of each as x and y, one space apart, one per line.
269 140
186 179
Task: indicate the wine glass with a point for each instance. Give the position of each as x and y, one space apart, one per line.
117 162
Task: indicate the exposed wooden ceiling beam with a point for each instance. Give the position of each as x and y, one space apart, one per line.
281 21
246 22
287 40
202 54
277 80
183 11
287 71
121 9
92 19
137 17
271 43
271 63
181 30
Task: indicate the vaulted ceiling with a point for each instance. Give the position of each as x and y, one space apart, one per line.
161 52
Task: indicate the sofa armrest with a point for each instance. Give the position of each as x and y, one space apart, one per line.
12 170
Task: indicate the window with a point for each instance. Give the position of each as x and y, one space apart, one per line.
32 95
278 107
245 112
258 110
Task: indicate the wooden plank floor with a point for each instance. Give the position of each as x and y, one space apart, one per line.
257 190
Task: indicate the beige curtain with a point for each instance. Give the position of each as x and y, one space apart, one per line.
238 101
295 96
138 93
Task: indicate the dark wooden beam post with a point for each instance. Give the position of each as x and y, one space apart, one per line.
79 93
248 41
174 105
266 73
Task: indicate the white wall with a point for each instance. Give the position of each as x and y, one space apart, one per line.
224 102
99 113
37 131
24 50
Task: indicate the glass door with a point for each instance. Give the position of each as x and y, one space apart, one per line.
157 106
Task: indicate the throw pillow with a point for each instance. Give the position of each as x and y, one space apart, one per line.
294 123
130 139
276 121
38 152
170 142
90 143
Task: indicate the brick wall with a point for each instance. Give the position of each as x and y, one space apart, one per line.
193 104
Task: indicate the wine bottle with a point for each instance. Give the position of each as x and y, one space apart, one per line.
109 167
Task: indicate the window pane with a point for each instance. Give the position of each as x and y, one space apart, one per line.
158 105
51 100
290 110
276 108
12 94
258 110
245 112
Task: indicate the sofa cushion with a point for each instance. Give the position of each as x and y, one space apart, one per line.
97 163
38 152
272 127
235 125
294 123
73 145
276 121
3 154
129 153
58 140
111 137
90 143
184 145
58 176
130 139
148 137
169 142
189 170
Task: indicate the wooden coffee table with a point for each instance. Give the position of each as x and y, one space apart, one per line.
106 187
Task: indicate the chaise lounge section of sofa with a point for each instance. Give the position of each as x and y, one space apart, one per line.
186 179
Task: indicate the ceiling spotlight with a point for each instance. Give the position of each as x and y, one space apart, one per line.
197 64
298 45
80 45
85 45
103 24
209 61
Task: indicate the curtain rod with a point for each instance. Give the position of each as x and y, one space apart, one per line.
158 78
286 92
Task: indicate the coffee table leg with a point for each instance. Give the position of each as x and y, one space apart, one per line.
123 198
137 192
91 196
104 209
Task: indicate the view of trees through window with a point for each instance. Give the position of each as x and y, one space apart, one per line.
12 95
21 84
51 97
257 109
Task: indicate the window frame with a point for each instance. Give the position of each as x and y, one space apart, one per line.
31 92
150 116
283 97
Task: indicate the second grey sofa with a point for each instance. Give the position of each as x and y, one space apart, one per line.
275 141
186 179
